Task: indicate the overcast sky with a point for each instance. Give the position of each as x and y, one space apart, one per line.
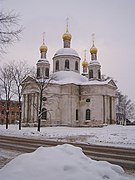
112 21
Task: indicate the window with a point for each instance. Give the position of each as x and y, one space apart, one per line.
99 74
76 66
38 72
47 72
90 74
13 113
67 64
57 65
76 114
44 99
87 114
3 104
88 100
44 113
13 122
2 112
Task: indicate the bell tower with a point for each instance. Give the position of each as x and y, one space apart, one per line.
43 65
94 67
85 65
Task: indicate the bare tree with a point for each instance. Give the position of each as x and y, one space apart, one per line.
43 94
125 107
9 29
20 70
6 83
43 84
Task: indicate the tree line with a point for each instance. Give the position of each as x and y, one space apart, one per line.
11 76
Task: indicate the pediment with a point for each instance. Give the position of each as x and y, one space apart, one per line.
28 79
112 83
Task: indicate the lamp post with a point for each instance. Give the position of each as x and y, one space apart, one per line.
20 113
7 112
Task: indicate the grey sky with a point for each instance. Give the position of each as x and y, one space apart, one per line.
112 21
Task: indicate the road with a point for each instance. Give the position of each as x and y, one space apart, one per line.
121 156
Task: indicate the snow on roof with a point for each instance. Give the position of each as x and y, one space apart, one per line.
66 51
68 77
62 162
43 60
94 62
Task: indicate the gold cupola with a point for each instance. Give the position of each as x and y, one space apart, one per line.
85 63
93 49
67 35
43 47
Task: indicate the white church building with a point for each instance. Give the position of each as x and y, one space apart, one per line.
69 98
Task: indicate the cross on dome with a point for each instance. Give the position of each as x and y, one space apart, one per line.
67 35
93 49
43 47
93 38
67 19
85 63
43 37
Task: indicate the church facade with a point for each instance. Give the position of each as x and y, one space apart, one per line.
68 97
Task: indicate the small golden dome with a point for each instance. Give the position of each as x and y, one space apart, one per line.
85 63
66 36
93 50
43 48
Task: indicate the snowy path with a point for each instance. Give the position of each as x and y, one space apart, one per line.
112 135
124 157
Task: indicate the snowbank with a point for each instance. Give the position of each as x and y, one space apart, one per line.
62 162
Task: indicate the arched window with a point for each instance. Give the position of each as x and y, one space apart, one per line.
90 74
87 114
57 65
67 64
76 114
47 72
38 72
76 65
44 113
99 74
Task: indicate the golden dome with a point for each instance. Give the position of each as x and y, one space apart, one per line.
43 48
85 63
66 36
93 50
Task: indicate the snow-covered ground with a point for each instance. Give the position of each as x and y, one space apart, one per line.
66 162
63 162
6 156
114 135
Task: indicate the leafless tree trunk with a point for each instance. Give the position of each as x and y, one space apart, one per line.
20 70
9 29
42 85
6 82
